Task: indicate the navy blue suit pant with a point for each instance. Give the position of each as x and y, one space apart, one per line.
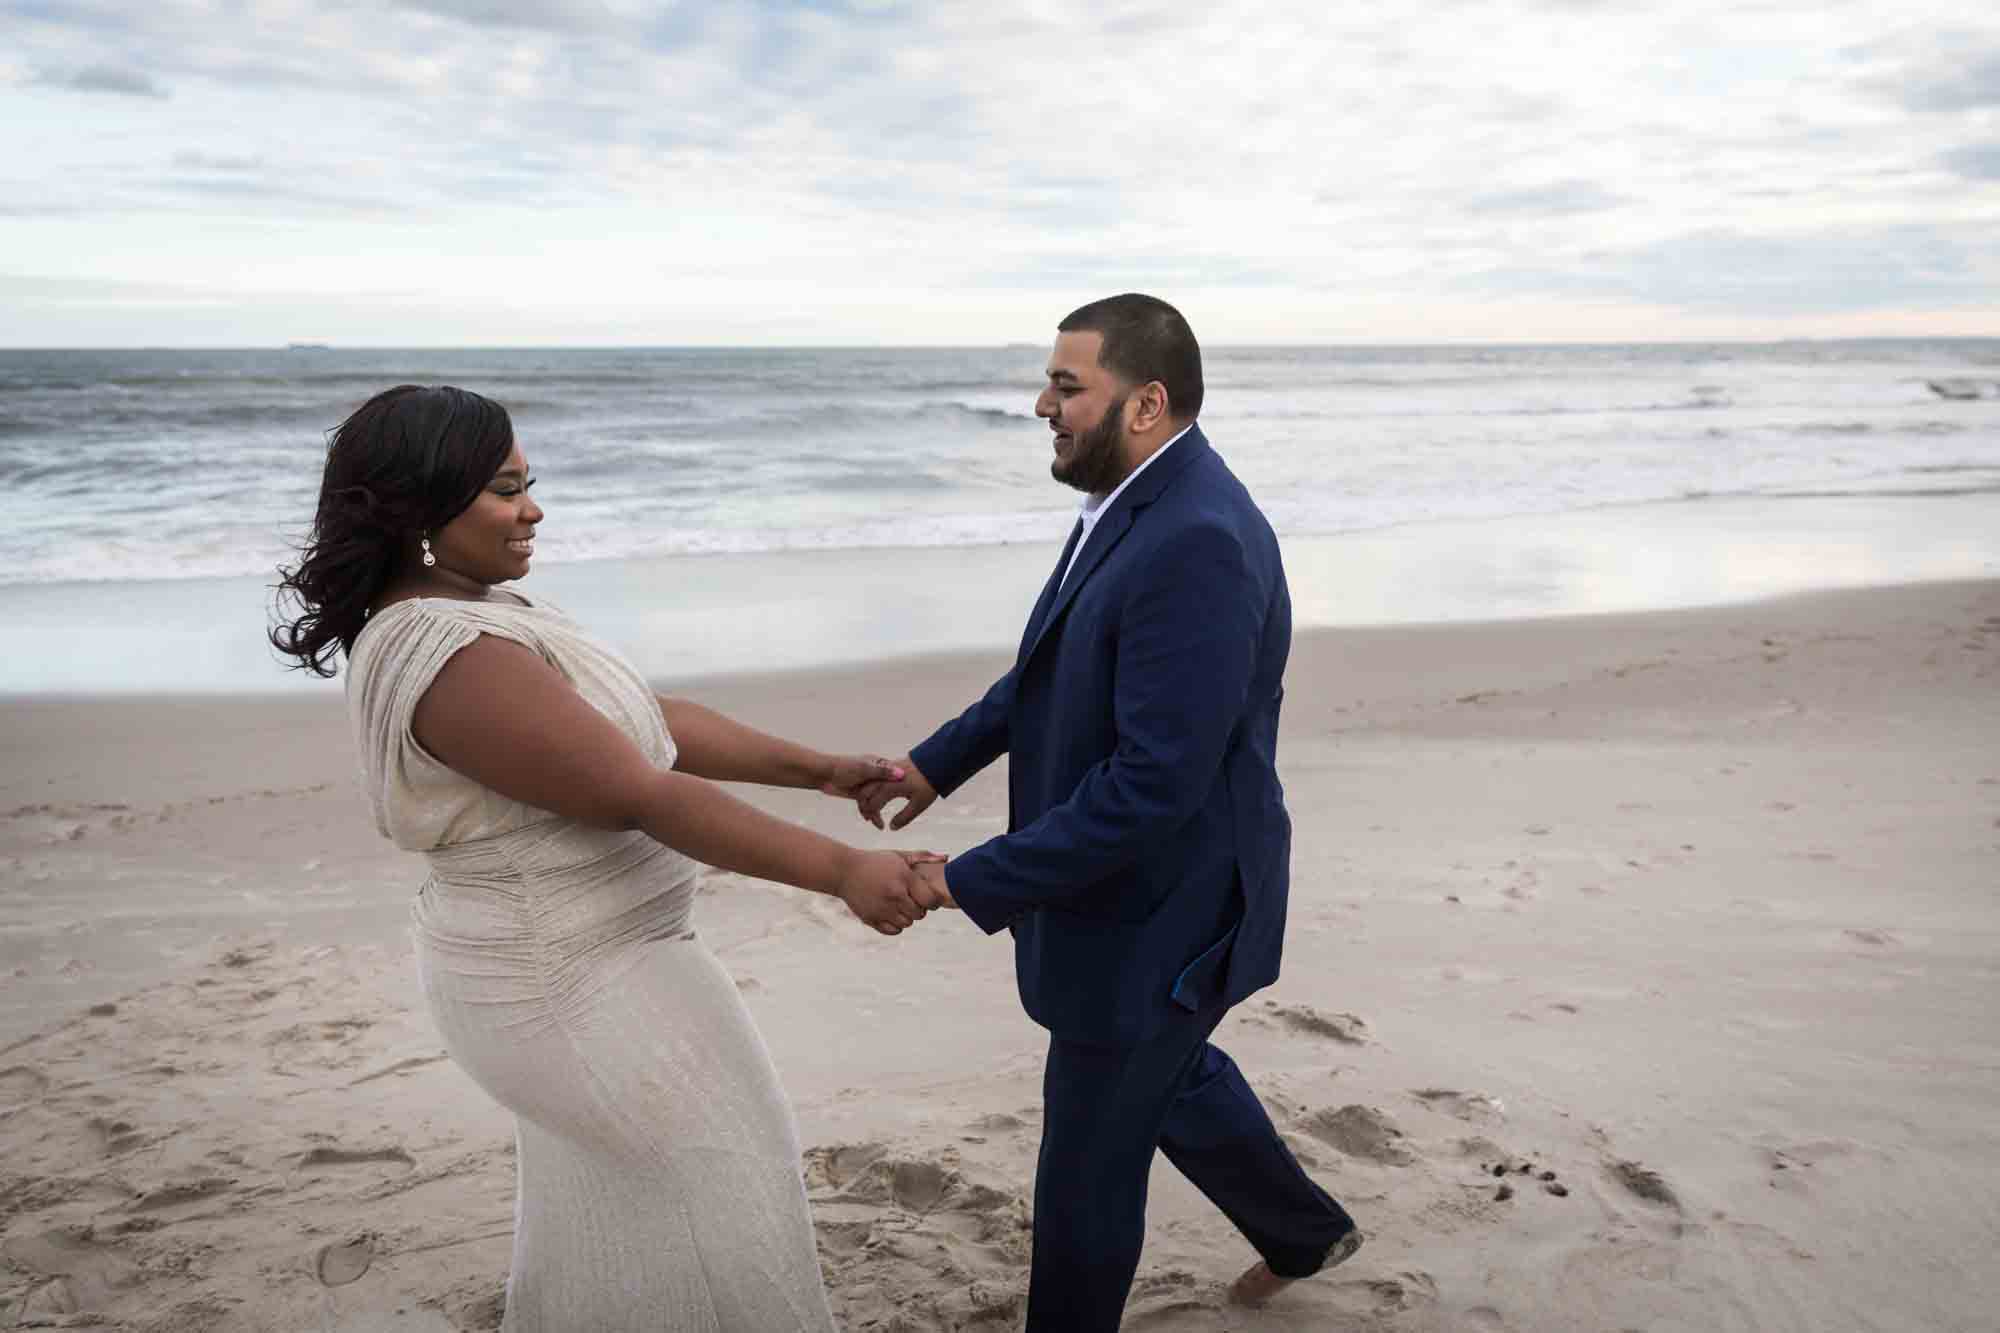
1105 1109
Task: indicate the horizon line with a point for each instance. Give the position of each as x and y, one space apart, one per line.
310 347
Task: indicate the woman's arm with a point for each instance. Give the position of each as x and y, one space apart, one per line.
724 750
503 717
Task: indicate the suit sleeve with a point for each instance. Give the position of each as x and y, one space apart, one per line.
969 742
1186 652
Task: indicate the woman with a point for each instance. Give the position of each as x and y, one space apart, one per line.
564 809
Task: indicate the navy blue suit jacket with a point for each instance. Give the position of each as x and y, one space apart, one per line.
1146 862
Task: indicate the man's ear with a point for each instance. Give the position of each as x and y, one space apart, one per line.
1149 405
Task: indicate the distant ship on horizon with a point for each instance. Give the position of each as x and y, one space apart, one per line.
308 347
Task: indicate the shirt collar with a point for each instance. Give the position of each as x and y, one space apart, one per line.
1094 505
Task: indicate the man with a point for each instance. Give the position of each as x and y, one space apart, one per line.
1146 863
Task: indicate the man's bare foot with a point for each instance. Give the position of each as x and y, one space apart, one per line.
1259 1284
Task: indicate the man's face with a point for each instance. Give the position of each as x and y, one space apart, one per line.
1084 405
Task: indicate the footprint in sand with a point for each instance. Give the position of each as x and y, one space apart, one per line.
66 822
400 1068
1374 1298
1344 1028
1405 1291
115 1137
1812 1152
341 1262
835 1166
246 956
1157 1298
1792 1165
916 1236
1643 1182
1485 1150
79 1271
181 1193
473 1306
1474 1108
325 1045
1360 1131
391 1160
20 1085
997 1123
868 1173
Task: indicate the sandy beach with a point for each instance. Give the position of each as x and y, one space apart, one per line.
1641 975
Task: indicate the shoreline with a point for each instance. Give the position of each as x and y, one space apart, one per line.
692 617
1307 640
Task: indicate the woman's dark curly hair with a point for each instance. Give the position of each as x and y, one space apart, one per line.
409 461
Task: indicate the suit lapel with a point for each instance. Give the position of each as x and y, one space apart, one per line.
1039 616
1111 528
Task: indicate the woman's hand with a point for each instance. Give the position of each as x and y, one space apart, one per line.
882 889
910 785
846 775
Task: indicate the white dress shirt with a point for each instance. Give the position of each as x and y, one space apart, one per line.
1093 506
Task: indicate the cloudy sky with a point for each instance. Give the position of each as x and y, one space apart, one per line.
241 172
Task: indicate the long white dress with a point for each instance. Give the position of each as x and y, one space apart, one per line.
659 1181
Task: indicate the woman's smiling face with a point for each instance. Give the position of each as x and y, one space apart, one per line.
494 539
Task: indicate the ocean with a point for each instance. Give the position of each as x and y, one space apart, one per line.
729 510
141 465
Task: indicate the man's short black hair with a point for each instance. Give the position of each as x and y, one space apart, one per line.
1145 339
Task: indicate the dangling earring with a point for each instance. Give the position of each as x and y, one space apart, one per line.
429 559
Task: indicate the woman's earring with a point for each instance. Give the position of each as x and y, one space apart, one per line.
429 559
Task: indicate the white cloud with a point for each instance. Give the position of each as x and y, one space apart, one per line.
599 169
1821 270
1976 161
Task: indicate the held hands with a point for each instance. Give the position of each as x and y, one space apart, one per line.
892 891
848 776
931 872
909 785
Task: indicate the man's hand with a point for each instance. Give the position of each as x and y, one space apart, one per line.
911 786
847 776
883 890
933 891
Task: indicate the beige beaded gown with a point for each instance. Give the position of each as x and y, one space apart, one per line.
659 1183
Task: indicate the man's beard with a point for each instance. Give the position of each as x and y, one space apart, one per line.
1094 464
